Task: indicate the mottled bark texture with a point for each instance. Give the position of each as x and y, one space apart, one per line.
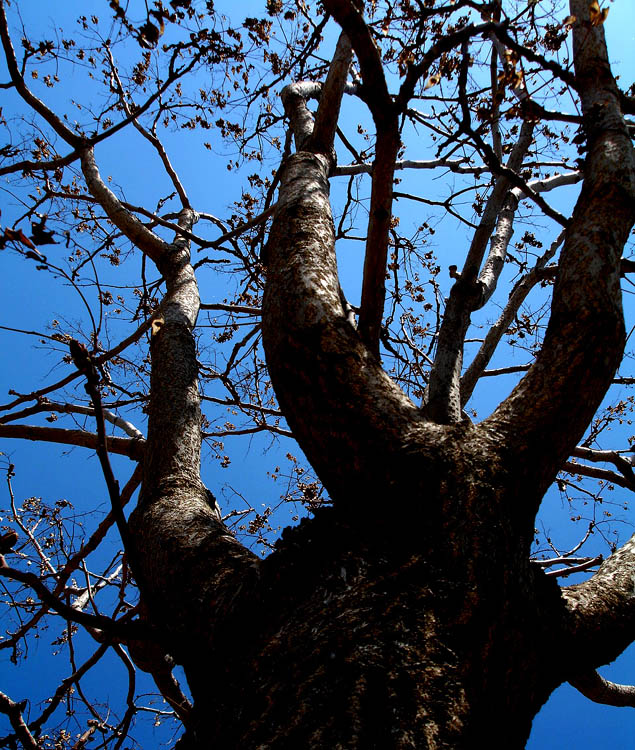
408 615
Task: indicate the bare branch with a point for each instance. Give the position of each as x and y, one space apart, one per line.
14 711
496 332
112 627
349 15
18 81
586 312
604 474
84 362
579 568
327 116
454 165
594 687
443 402
51 406
133 448
154 247
131 112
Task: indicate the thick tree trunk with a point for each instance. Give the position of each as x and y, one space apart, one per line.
379 639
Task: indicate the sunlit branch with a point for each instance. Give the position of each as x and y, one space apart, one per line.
328 112
28 533
582 327
505 370
152 245
497 331
594 687
454 165
497 142
235 309
621 463
349 15
294 98
596 473
443 402
493 266
579 568
565 560
550 183
51 406
87 596
133 448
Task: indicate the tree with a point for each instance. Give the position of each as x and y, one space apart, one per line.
405 610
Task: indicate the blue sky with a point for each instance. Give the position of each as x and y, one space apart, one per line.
567 721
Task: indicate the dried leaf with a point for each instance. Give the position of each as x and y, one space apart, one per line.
597 15
432 81
17 235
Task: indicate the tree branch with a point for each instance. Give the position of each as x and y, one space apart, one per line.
152 245
113 628
327 115
443 398
133 448
601 610
585 336
374 91
380 220
14 711
594 687
18 81
51 406
496 332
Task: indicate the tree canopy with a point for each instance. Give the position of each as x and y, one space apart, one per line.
360 264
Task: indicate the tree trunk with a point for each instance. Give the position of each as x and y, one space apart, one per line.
381 638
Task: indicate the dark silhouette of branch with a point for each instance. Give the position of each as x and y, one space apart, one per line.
110 627
14 712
